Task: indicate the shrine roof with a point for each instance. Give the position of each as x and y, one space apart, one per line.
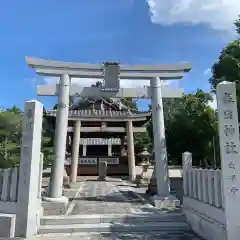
110 103
96 114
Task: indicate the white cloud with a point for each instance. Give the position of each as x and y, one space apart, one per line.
207 71
87 82
219 14
213 104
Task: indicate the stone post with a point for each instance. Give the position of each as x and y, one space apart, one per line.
229 150
187 163
131 155
75 151
102 171
28 204
56 179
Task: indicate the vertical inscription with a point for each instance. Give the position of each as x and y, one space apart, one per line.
28 189
229 147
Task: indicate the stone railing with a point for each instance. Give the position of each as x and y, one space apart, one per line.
10 203
204 185
8 190
203 200
9 181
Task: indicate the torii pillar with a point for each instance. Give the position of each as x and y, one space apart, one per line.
161 163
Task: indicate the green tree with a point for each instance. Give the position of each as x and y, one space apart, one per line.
237 24
227 66
47 144
10 137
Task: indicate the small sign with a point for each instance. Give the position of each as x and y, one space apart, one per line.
113 161
100 141
88 161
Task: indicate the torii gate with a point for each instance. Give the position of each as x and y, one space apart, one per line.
111 73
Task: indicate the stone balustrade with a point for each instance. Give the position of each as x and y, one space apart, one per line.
8 189
204 185
203 200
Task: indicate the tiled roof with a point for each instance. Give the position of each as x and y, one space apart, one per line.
101 113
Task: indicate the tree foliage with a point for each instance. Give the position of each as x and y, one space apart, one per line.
227 67
237 24
47 144
10 138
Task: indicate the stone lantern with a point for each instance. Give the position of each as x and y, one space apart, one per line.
143 179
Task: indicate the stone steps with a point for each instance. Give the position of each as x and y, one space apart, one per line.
115 227
173 235
111 218
112 223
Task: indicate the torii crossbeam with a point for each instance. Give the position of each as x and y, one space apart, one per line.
111 73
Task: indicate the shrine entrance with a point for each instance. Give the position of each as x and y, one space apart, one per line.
111 73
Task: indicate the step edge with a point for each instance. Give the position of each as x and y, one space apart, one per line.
106 220
73 226
92 216
95 233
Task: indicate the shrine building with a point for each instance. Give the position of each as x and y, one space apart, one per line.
102 130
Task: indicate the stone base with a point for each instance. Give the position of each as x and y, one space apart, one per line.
101 179
152 187
166 203
61 200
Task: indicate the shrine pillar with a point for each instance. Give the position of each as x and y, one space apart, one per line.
57 170
84 147
122 146
109 147
131 155
75 151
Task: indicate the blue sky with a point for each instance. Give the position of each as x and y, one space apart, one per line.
93 31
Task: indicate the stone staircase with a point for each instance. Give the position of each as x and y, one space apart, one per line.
111 210
110 223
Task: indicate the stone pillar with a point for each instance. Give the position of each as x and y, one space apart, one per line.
229 149
122 146
131 155
161 162
28 210
110 147
75 151
56 179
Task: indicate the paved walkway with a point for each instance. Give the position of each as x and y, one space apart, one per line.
95 197
113 197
